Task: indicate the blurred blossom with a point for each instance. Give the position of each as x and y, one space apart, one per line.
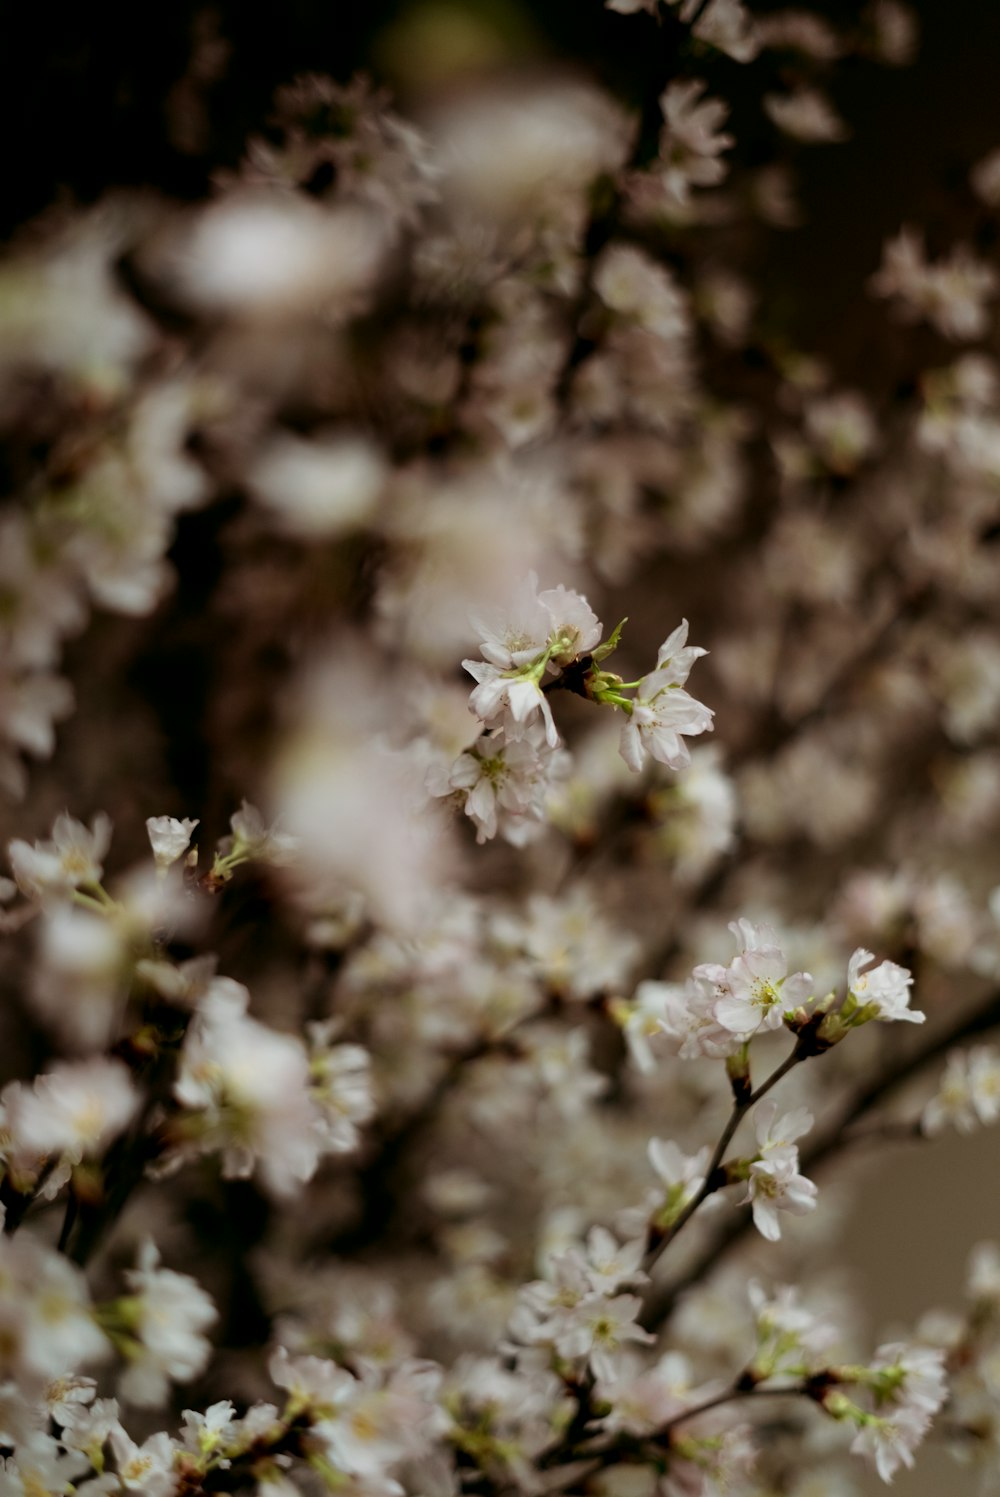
320 488
513 152
464 539
268 254
806 115
354 803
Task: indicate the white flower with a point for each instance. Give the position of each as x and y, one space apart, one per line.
168 1312
169 838
641 292
72 1111
86 1427
774 1183
598 1328
682 1174
378 1424
319 488
661 712
571 945
754 991
250 1086
676 656
788 1334
643 1398
574 628
73 858
910 1376
644 1021
884 990
661 715
984 1274
313 1382
203 1432
48 1329
889 1442
253 838
39 1467
67 1398
341 1090
541 631
687 1016
514 698
951 294
147 1468
968 1093
77 986
518 635
504 783
610 1263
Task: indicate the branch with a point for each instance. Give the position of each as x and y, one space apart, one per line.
715 1175
831 1140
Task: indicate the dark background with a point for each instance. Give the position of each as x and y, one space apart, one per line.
90 96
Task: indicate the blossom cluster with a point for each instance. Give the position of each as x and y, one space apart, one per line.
458 1115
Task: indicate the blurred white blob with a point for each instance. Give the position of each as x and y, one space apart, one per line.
317 489
267 252
61 306
521 148
356 805
463 543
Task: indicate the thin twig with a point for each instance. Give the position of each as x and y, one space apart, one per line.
837 1134
714 1175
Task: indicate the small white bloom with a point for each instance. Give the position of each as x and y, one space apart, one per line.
661 716
911 1376
574 628
46 1316
884 990
253 838
687 1016
341 1090
774 1184
147 1468
169 838
504 783
503 699
968 1093
889 1442
598 1328
676 657
250 1085
71 1112
755 990
682 1174
168 1313
73 858
203 1432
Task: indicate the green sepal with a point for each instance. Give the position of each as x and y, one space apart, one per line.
611 643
